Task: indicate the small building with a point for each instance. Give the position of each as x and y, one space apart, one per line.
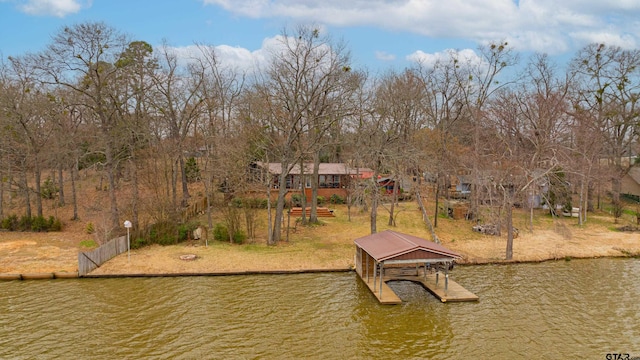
630 183
406 257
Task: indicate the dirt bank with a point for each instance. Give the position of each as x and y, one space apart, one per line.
325 247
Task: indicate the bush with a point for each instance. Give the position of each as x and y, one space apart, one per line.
138 243
54 224
321 200
90 229
163 233
26 223
10 223
39 224
236 203
336 199
192 171
49 190
220 232
239 237
185 231
296 200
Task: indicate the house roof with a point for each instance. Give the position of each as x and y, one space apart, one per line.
325 169
389 244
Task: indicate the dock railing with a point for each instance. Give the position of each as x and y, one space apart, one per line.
91 260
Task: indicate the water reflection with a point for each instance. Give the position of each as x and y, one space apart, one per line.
565 309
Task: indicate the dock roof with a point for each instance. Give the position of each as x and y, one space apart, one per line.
389 245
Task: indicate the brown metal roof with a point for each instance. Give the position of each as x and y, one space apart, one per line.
390 244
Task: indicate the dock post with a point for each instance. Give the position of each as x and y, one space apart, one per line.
437 274
375 272
381 278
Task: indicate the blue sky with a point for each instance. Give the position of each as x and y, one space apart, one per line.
381 34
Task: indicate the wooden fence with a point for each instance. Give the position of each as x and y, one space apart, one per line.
90 260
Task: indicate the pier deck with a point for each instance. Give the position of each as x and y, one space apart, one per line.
454 292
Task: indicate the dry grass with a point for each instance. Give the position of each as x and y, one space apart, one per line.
326 246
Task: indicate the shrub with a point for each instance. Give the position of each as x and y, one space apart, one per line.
88 243
296 200
138 243
236 203
49 190
191 169
336 199
163 233
90 229
54 224
39 224
239 237
25 223
184 230
220 232
321 200
10 222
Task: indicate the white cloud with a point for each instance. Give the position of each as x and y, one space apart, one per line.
59 8
541 25
385 56
465 56
234 57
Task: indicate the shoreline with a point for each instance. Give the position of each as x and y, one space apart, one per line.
75 275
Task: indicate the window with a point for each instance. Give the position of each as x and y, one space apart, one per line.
322 181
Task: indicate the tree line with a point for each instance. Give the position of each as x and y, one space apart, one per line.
96 98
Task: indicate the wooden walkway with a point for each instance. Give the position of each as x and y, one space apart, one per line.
388 296
454 292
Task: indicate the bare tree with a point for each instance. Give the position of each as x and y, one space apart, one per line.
29 108
179 104
296 85
80 58
479 78
607 86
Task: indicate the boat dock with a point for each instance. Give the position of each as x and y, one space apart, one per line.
391 256
446 290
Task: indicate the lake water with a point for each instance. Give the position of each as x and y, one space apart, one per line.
579 309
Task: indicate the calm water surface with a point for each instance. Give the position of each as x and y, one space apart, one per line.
558 310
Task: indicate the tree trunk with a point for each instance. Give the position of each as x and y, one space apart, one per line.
174 185
509 231
313 217
135 196
111 177
61 201
38 176
375 192
394 199
303 194
1 194
74 198
282 192
435 218
26 190
185 187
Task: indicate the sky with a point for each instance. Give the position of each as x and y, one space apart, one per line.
380 34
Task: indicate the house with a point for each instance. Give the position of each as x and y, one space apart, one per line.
333 178
387 184
631 182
